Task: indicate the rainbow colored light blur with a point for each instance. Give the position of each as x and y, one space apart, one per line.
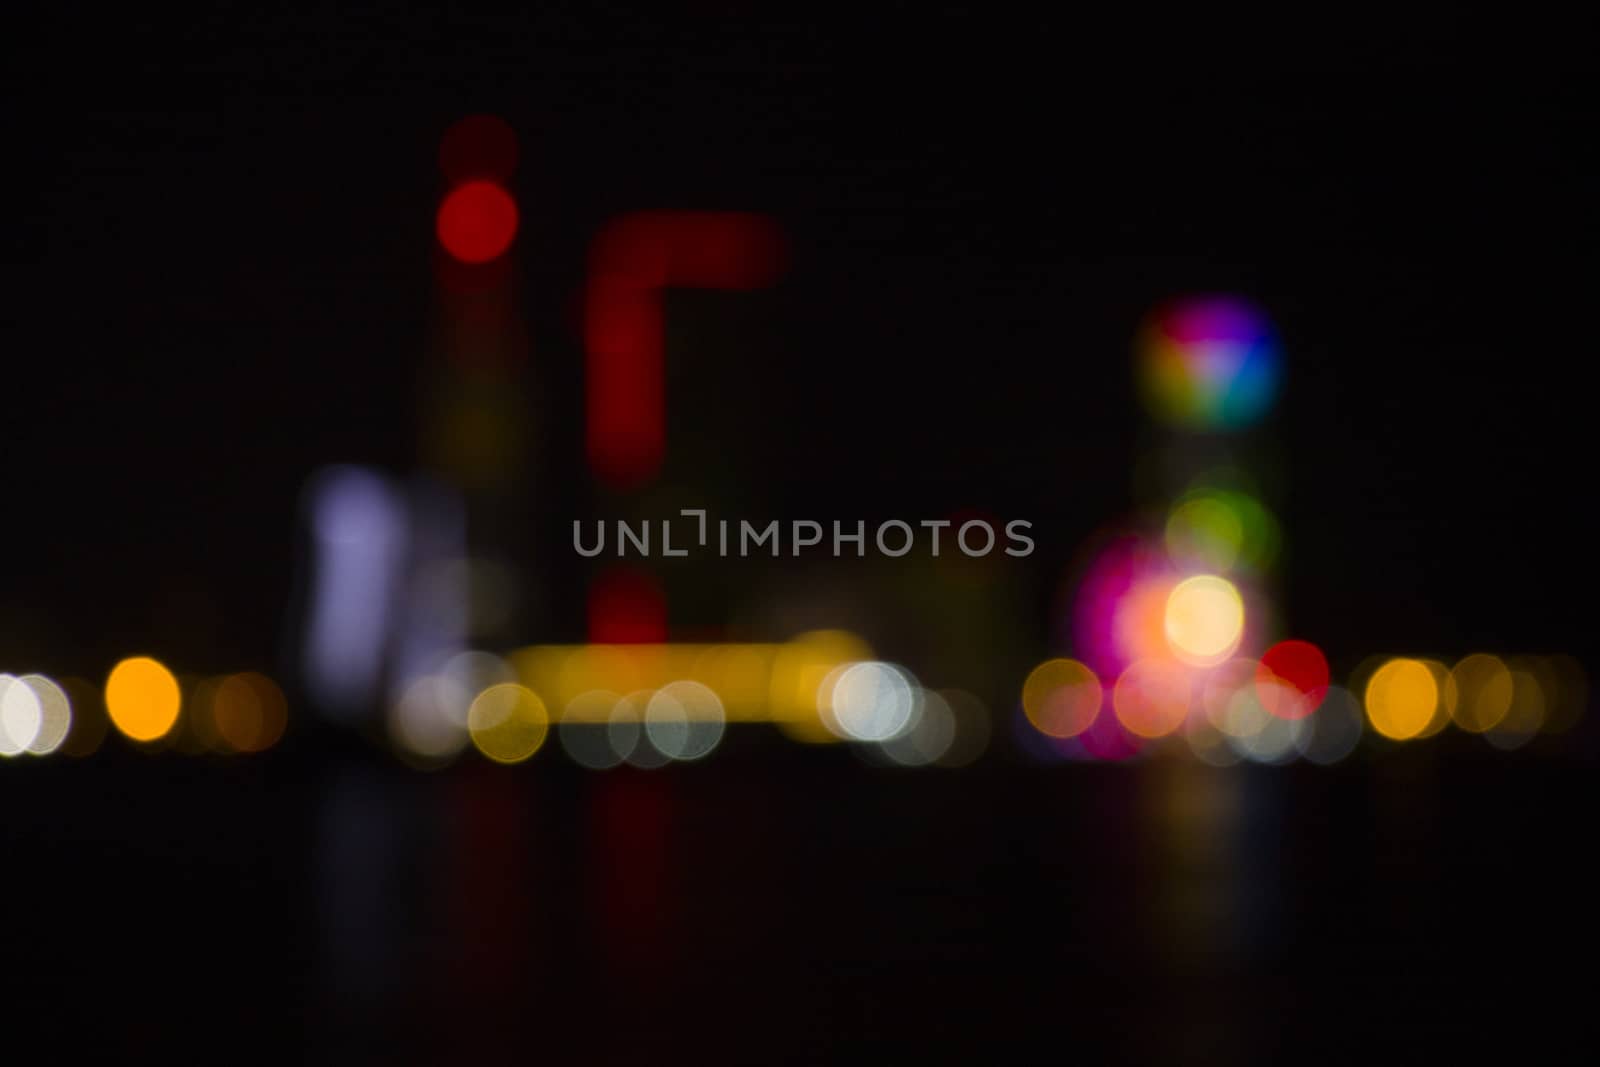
1208 363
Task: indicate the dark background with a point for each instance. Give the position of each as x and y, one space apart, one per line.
219 268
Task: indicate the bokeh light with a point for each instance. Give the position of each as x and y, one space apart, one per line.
1525 716
142 698
20 716
1300 672
1208 363
477 221
871 701
930 737
55 714
1204 619
1152 698
1061 697
1478 692
1219 525
1256 733
1334 730
584 730
1218 685
800 682
508 722
1118 607
1207 742
465 675
684 720
1401 698
1203 530
422 727
248 712
1440 719
626 734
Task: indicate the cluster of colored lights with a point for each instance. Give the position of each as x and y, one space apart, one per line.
1168 625
1189 593
146 703
1282 706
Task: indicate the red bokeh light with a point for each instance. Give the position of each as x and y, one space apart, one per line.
477 222
1301 666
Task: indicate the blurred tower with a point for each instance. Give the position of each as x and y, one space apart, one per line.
476 441
1169 615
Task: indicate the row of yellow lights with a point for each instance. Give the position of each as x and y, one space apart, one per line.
236 713
1409 698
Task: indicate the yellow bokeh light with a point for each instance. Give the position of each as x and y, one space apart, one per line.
1061 697
248 712
1139 626
508 722
1527 713
142 698
1402 698
1204 619
1478 692
1441 710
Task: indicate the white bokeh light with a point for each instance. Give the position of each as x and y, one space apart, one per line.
871 701
20 715
684 720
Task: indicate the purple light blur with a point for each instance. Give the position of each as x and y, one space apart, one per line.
359 526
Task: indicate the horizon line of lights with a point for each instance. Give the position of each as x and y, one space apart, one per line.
1244 709
242 713
1171 653
649 705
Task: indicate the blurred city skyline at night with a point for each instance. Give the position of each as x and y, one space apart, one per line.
719 533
